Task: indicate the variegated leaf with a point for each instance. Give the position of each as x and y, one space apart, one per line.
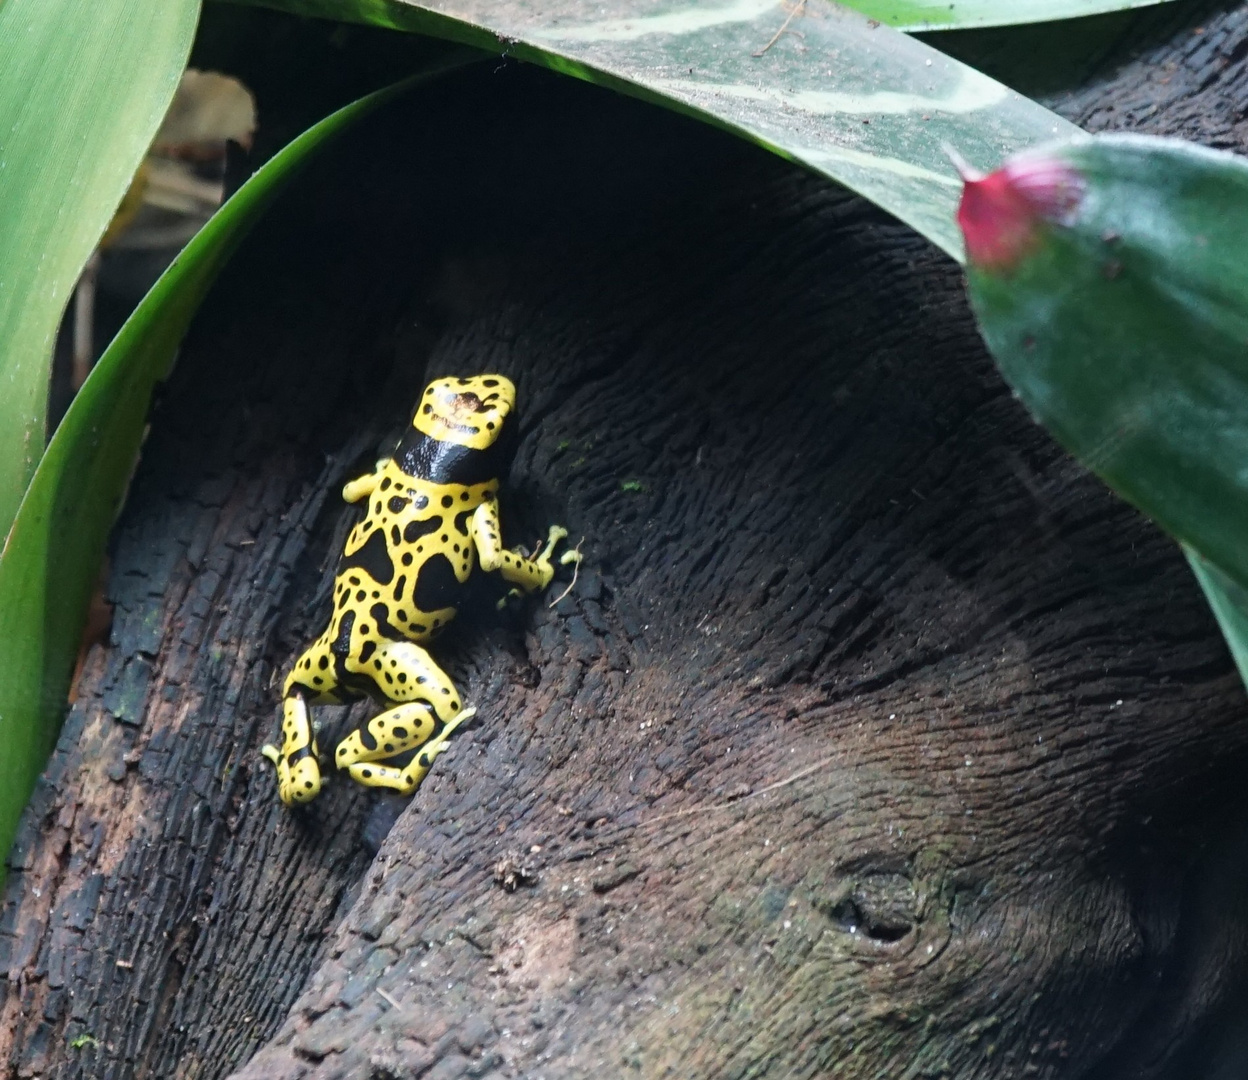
811 81
943 15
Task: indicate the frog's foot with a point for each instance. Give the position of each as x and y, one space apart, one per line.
510 598
362 487
298 772
542 559
557 533
407 779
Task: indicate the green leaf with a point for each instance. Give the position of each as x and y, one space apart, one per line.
1110 279
815 83
1230 607
944 15
49 566
83 88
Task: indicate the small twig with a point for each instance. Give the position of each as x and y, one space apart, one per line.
740 799
799 6
576 570
387 998
731 802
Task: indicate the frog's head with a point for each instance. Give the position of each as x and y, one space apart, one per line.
467 412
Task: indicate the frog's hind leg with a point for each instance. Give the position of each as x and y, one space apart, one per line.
428 709
313 679
396 731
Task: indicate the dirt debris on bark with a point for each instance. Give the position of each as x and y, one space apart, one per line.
875 738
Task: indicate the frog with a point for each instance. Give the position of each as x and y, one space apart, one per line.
431 518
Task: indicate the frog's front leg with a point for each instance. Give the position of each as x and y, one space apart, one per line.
531 574
428 710
362 487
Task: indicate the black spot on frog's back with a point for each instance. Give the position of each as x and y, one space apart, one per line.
381 615
373 557
341 645
414 530
436 584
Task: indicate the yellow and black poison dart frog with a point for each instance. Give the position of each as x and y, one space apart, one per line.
432 514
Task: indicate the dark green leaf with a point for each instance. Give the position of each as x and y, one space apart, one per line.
1230 607
1110 279
1122 323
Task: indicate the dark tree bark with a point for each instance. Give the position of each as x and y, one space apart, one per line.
875 739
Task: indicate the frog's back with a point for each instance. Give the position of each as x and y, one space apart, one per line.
404 564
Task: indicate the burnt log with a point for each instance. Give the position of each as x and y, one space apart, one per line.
874 738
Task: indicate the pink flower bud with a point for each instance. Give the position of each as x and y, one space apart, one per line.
999 213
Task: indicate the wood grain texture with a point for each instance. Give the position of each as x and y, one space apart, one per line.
875 740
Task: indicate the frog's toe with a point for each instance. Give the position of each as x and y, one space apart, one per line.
301 782
556 533
303 793
511 597
459 718
570 556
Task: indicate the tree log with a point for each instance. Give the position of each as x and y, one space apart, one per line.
875 739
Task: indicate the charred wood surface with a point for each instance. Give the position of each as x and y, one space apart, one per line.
874 739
